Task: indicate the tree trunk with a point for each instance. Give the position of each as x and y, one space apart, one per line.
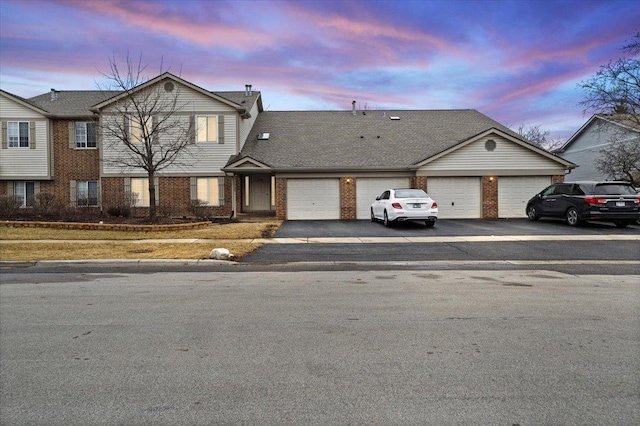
153 216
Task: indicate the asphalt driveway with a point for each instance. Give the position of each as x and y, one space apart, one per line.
445 227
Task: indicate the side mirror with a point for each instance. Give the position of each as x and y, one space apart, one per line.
378 198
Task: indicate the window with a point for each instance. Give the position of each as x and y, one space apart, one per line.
209 191
207 129
86 193
26 191
140 192
18 134
86 135
136 129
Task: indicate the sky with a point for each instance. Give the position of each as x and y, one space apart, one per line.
518 62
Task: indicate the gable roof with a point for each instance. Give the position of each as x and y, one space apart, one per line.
72 103
369 140
25 102
168 76
621 120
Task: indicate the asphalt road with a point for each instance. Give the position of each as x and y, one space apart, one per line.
318 348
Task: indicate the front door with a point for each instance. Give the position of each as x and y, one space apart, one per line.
259 193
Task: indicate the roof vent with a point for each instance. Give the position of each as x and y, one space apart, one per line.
394 117
264 136
247 90
353 107
54 94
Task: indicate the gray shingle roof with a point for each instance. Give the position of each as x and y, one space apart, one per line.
77 103
341 140
72 103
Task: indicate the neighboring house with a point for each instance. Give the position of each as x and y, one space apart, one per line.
332 164
294 165
595 135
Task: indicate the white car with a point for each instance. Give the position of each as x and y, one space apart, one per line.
399 205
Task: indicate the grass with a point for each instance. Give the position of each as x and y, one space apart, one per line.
120 245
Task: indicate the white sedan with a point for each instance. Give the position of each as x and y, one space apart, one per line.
399 205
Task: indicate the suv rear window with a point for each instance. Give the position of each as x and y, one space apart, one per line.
614 189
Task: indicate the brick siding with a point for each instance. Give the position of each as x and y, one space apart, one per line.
348 207
281 198
557 179
489 197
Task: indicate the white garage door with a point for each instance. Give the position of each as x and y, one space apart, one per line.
514 192
313 199
367 189
457 197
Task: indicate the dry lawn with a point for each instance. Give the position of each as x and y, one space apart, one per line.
120 245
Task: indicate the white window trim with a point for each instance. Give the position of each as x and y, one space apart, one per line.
85 144
81 183
138 137
199 131
208 200
9 143
24 195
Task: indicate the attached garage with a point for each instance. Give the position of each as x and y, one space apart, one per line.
313 199
457 197
367 189
514 192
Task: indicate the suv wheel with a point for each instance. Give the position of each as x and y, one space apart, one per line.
430 223
572 217
532 213
622 224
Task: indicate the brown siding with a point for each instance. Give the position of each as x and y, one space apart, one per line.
489 197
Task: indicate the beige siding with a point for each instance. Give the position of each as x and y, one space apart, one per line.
10 109
508 158
27 163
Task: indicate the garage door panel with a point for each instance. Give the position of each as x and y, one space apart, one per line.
515 191
313 199
367 189
457 197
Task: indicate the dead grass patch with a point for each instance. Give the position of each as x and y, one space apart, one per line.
227 231
118 250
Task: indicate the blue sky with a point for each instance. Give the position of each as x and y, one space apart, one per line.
518 62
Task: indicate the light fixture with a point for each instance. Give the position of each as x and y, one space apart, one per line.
490 178
348 180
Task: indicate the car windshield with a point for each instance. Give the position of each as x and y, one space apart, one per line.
411 193
614 189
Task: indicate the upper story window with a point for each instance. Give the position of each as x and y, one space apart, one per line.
207 129
138 128
18 134
85 135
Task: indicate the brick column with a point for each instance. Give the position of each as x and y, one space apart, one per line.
557 179
419 182
281 198
348 198
489 197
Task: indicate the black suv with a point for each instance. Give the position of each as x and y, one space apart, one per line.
616 202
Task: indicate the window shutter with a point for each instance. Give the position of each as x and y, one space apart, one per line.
155 135
221 129
127 134
10 189
98 194
156 181
193 129
36 187
194 188
32 135
221 191
73 194
4 135
72 135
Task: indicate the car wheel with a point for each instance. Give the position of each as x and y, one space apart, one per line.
572 217
622 224
532 213
373 218
430 223
386 219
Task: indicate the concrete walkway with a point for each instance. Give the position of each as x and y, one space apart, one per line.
356 240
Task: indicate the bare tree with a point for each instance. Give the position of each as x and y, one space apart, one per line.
621 159
539 137
615 88
143 129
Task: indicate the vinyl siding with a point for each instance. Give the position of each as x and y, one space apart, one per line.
246 125
25 163
205 159
507 158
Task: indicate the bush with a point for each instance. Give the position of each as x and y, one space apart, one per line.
200 209
10 206
48 205
120 207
